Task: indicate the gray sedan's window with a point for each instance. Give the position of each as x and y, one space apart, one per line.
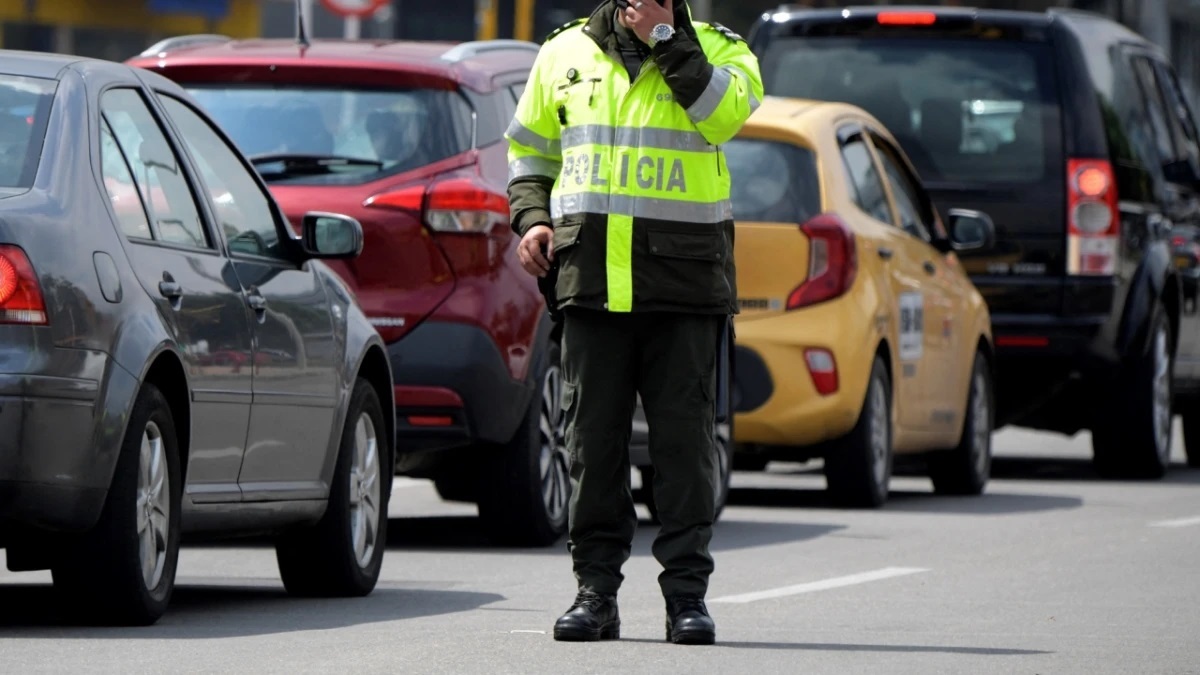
24 109
156 169
243 210
122 190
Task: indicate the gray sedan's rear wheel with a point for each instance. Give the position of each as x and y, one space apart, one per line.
343 553
527 490
123 570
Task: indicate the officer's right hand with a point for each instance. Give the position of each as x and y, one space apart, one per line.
530 250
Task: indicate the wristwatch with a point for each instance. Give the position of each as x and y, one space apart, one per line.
661 33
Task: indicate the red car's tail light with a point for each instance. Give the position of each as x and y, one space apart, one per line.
450 205
832 261
20 293
1093 219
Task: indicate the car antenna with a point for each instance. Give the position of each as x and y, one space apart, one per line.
301 33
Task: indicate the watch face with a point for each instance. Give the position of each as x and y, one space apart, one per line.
661 32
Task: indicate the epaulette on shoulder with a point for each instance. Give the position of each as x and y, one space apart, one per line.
554 33
723 30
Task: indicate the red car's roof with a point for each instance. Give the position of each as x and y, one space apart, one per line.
451 59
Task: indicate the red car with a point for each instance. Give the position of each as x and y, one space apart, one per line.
407 137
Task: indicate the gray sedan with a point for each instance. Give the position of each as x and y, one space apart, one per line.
173 357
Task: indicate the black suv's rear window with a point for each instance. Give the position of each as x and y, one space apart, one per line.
391 131
24 112
965 111
772 181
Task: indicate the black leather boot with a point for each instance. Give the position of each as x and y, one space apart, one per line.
593 617
688 622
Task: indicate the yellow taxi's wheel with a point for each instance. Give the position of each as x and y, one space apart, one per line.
965 469
858 467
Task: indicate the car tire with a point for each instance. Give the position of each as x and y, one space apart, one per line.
528 483
858 467
724 443
965 469
1132 440
122 571
342 554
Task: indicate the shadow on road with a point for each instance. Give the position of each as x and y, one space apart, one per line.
838 647
207 611
463 534
988 503
1077 469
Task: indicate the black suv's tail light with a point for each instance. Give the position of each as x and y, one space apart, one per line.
1093 220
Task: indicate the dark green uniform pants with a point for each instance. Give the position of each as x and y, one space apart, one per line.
670 359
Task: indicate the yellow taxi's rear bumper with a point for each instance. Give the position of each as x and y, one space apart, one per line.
773 378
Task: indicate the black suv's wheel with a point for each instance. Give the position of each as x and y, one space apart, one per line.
342 554
123 570
525 499
858 468
965 469
1133 438
724 446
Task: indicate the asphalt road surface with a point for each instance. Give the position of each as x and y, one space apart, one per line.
1051 571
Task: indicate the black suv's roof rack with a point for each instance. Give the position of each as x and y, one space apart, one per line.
181 41
466 50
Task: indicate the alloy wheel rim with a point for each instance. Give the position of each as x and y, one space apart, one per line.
1162 395
365 490
553 461
981 417
879 433
153 505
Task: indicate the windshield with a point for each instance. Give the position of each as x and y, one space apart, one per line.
375 132
772 182
965 111
24 113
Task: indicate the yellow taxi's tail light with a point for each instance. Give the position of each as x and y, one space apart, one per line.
832 261
1093 220
823 369
21 298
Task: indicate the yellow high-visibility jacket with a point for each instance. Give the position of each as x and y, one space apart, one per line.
630 175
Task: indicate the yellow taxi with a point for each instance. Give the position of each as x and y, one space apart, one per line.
860 336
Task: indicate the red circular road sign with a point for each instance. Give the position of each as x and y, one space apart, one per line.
359 8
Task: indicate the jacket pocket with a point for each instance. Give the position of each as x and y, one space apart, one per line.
566 236
684 270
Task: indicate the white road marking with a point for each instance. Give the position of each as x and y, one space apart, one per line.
536 632
406 482
1178 522
826 584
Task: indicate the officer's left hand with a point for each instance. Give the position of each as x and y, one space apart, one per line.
641 16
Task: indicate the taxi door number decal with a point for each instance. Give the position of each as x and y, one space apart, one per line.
912 326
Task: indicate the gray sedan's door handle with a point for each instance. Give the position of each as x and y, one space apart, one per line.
170 289
257 302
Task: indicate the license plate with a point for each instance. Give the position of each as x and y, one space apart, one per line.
1183 261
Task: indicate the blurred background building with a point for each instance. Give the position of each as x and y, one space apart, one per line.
118 29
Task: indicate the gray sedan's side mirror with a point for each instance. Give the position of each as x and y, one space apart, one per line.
331 235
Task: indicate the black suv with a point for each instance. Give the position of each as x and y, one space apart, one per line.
1072 132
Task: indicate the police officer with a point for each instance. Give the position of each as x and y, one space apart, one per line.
620 193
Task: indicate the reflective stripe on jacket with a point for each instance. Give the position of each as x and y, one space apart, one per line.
639 200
